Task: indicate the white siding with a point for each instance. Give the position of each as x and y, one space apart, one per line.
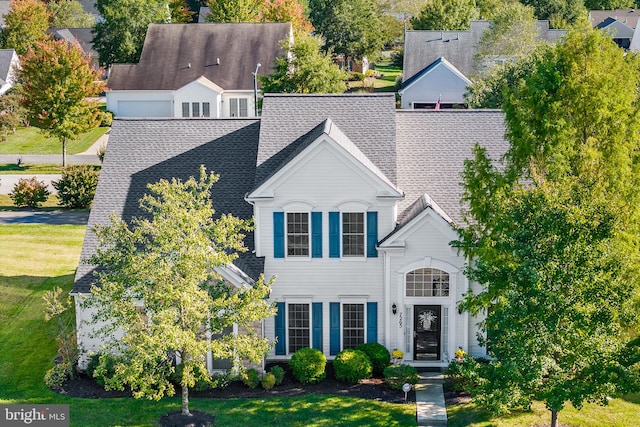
197 93
440 82
140 103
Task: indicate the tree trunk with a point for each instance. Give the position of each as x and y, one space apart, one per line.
554 418
185 400
64 152
185 387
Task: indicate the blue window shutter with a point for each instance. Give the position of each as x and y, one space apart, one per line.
372 322
278 234
281 333
334 328
372 234
334 234
316 234
316 331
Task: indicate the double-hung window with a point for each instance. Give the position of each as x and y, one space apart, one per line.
185 109
353 240
195 109
206 109
299 326
297 234
352 325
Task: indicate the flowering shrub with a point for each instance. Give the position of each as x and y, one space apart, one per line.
463 371
396 356
29 192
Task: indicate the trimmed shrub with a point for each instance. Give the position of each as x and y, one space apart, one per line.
377 354
251 378
56 376
77 186
307 365
278 373
463 371
105 118
352 366
104 369
398 375
268 381
29 192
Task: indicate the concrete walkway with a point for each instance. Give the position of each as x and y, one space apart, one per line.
430 408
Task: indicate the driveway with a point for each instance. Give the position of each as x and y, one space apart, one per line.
44 217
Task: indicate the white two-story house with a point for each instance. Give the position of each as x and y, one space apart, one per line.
354 204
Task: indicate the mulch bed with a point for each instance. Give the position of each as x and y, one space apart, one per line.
371 388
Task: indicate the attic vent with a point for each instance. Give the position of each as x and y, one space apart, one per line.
218 61
189 65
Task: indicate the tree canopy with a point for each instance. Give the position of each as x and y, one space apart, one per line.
57 80
553 232
25 24
560 13
119 37
350 27
445 15
158 284
308 71
69 14
234 10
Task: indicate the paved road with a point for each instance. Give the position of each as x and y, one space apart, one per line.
7 182
44 217
76 159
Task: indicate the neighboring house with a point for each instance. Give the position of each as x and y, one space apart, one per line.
354 204
83 36
5 7
196 70
620 24
448 57
440 85
9 62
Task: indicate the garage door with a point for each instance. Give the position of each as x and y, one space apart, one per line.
145 109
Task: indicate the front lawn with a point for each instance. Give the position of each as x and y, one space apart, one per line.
37 258
32 140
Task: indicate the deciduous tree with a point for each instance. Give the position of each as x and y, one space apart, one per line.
350 27
560 13
119 37
553 232
286 11
234 10
25 24
69 14
309 70
57 80
445 15
159 286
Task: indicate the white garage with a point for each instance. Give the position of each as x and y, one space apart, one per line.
144 109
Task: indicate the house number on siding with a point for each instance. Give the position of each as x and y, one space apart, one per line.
400 320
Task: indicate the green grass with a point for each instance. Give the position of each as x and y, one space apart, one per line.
31 140
52 204
37 258
623 412
386 83
33 169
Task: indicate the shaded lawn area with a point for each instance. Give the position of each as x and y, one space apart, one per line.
31 140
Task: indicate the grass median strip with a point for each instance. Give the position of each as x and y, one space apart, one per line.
31 140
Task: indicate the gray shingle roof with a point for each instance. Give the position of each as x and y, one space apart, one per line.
625 16
83 36
177 54
367 120
432 146
145 151
6 60
422 48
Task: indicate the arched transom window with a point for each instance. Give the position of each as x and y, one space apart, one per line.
427 282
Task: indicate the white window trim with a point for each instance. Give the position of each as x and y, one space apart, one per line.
286 237
298 300
352 300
